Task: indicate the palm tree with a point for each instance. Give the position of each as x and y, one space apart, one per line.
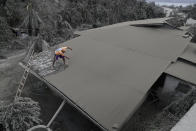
32 22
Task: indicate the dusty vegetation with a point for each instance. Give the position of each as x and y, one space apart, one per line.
192 14
57 16
162 116
176 21
5 32
101 12
20 115
192 30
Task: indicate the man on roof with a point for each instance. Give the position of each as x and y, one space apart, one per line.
59 53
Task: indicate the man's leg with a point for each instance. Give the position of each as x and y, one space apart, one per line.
63 60
54 60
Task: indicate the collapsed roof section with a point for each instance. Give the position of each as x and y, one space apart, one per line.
113 67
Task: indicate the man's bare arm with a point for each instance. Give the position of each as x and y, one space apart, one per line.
67 57
69 48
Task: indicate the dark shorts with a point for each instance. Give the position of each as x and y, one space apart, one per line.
59 56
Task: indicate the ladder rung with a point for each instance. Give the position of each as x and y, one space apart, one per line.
24 77
19 90
21 87
18 94
21 83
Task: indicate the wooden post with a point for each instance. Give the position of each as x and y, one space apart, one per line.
57 112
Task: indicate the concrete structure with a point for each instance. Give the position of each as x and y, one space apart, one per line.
168 11
190 21
112 68
187 123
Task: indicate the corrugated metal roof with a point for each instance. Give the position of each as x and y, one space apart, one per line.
112 69
187 122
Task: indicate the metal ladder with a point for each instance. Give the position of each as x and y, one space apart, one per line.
24 77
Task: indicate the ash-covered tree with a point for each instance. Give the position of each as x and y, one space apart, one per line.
192 12
32 21
3 3
102 12
20 115
192 29
194 39
192 32
5 31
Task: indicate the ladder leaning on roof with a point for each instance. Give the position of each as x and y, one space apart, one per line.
24 77
22 83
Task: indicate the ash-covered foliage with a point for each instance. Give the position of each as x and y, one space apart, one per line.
176 21
5 32
20 115
192 31
58 17
104 12
192 12
165 120
56 30
3 3
163 116
193 39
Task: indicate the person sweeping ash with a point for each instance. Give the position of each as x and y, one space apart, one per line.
59 53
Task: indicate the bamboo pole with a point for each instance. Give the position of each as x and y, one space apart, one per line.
56 114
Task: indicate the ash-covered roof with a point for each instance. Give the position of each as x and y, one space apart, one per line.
112 68
185 67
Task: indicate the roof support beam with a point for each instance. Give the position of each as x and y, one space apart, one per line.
56 114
